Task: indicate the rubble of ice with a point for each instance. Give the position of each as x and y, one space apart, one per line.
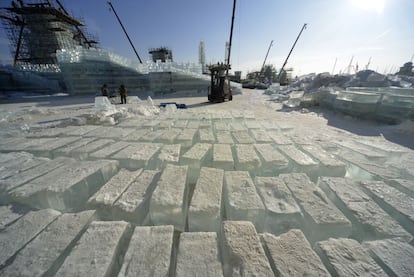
366 94
231 189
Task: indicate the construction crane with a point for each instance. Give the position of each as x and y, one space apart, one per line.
290 52
123 28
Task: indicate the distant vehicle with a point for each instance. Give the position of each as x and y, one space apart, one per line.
252 84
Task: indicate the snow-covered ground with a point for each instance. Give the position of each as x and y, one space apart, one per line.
241 188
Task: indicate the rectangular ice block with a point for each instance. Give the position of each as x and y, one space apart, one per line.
96 253
282 211
169 202
241 200
242 252
198 255
149 252
322 218
205 209
291 254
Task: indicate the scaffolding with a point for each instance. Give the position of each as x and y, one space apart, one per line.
37 29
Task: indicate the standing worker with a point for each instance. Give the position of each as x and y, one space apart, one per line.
123 92
104 90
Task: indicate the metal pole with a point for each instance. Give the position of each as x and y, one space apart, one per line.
231 36
19 43
264 62
333 69
123 28
281 70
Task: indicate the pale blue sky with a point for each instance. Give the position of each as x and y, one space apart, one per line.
337 29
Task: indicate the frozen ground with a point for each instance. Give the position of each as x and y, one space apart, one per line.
241 188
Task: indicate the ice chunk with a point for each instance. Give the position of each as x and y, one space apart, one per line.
82 130
261 136
221 126
224 137
193 124
279 138
290 254
25 176
243 254
39 256
206 135
241 200
17 235
252 124
329 164
169 202
170 153
133 204
282 211
322 218
23 161
96 253
109 150
149 252
223 157
395 256
67 149
346 257
273 162
302 162
102 103
186 137
83 151
67 187
368 219
115 133
180 124
242 137
406 186
199 155
204 211
362 168
9 214
137 155
198 255
359 149
152 136
136 135
103 199
46 149
237 126
399 205
247 159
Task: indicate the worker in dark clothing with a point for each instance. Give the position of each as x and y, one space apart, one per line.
123 92
104 90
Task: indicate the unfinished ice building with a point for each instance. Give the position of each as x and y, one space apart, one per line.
48 43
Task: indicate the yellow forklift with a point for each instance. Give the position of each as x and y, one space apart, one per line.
220 89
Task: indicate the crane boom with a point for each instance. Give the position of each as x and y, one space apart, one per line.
123 28
284 64
264 62
231 37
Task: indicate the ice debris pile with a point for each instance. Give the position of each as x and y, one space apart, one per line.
367 94
210 193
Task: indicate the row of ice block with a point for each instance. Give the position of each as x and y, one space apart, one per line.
47 242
